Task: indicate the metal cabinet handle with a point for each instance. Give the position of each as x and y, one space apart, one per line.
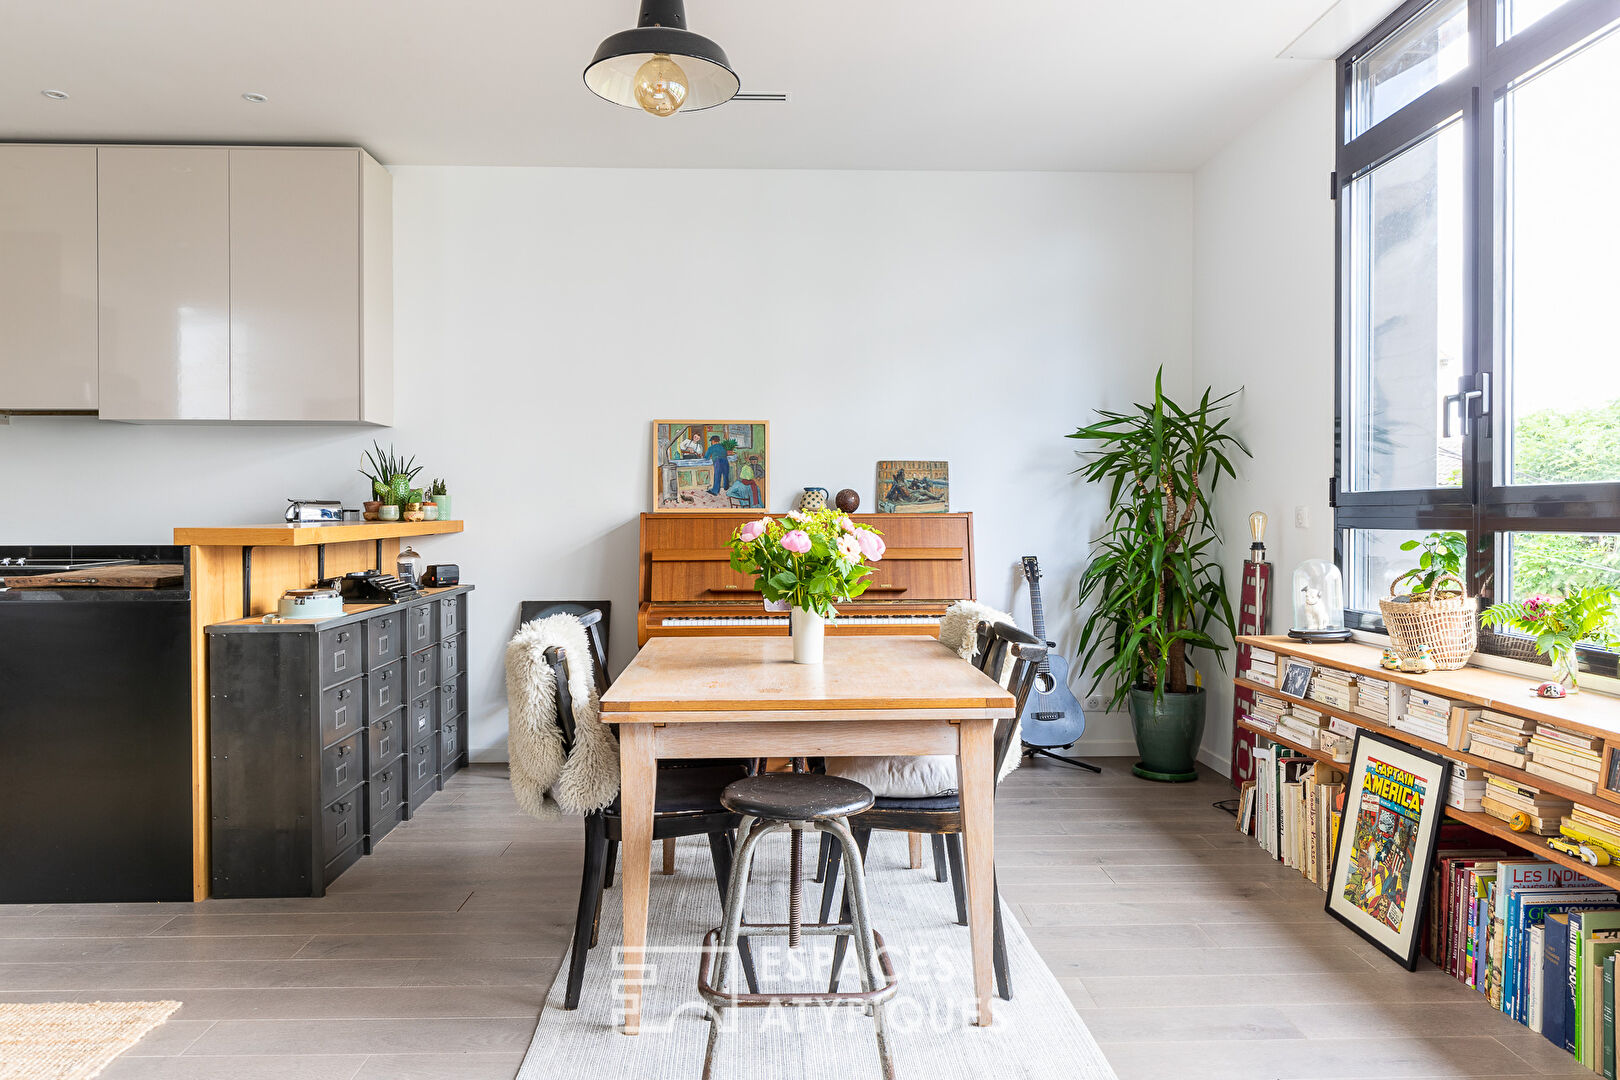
387 776
389 674
343 635
342 807
342 694
344 750
386 724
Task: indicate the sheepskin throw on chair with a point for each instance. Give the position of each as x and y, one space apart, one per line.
550 777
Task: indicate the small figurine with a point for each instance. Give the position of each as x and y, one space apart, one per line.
1416 662
1391 660
1550 690
1316 612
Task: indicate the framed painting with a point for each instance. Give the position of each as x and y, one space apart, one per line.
1395 800
711 465
913 487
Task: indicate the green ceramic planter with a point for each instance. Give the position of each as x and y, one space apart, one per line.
1168 733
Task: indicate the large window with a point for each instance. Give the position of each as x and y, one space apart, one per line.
1479 286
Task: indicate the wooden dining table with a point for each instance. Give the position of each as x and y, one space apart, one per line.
703 697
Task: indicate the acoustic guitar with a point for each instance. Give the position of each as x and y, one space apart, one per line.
1052 717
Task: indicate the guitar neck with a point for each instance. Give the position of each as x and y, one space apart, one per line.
1037 613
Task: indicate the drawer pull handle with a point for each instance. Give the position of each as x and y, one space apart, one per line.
343 635
342 694
344 750
342 807
389 674
387 776
386 724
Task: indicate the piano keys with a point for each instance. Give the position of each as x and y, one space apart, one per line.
687 586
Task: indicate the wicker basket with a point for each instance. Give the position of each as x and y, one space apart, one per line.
1448 627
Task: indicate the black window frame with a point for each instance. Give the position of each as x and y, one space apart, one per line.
1481 507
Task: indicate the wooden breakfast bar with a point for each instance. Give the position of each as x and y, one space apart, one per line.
241 571
744 697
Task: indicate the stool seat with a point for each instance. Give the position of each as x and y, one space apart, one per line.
796 797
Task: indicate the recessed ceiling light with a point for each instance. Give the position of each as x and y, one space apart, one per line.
55 95
256 98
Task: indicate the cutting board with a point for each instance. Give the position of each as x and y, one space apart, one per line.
154 576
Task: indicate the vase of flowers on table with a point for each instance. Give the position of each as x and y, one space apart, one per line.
808 561
1559 624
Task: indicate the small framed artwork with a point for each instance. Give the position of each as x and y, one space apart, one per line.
1297 678
913 487
711 465
1395 800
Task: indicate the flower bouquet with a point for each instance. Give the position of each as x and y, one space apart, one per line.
1559 624
807 561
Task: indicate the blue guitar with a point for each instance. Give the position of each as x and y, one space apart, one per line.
1052 719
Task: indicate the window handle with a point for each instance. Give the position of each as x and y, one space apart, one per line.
1462 398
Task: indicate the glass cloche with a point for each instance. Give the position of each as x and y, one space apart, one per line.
1318 596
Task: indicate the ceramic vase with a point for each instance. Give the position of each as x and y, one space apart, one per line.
814 498
809 633
388 512
370 510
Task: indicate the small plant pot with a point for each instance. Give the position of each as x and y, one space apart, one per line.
370 510
444 507
388 512
412 512
1168 732
430 511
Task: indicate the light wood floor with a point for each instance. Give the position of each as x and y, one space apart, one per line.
1186 951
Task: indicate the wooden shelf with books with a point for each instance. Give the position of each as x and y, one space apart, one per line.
1602 798
1485 823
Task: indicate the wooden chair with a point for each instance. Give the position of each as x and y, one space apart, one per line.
941 816
687 804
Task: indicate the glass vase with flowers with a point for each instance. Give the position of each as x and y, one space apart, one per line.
808 561
1559 623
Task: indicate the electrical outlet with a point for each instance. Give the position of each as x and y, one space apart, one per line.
1302 517
1094 703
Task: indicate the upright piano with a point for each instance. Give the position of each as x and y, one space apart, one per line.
687 585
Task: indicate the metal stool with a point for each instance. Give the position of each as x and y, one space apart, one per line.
768 804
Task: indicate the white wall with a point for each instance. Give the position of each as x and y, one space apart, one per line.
1264 321
544 317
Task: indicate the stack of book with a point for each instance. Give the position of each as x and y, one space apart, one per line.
1467 788
1505 798
1595 827
1294 810
1499 737
1265 712
1334 688
1428 716
1301 725
1262 667
1372 699
1572 758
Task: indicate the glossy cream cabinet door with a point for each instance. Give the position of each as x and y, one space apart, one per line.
295 284
48 277
165 280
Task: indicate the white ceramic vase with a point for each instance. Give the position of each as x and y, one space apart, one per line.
809 631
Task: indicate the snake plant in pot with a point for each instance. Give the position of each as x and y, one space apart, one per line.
1155 584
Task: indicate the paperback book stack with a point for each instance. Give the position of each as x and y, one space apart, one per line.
1499 737
1569 757
1302 725
1506 798
1265 711
1334 688
1466 791
1294 811
1372 699
1262 667
1427 716
1595 827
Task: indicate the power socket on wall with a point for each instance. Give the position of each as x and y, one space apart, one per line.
1094 703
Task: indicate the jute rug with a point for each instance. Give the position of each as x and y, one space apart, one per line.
72 1040
1036 1035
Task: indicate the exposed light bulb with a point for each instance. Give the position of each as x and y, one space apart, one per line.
660 86
1257 526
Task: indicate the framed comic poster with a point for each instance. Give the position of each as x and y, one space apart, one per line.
1395 800
711 465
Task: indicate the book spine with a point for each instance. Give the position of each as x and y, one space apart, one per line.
1532 974
1608 1016
1572 1038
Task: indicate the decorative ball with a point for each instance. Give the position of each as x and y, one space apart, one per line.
848 500
814 498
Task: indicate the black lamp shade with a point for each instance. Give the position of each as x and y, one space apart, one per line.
662 30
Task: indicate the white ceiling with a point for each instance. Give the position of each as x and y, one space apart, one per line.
875 84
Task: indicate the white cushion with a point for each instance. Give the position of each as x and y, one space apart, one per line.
899 777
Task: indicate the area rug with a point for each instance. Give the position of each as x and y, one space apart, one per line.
72 1040
1036 1035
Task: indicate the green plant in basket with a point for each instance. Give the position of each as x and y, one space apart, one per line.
808 560
1442 558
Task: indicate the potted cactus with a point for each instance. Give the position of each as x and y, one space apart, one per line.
440 494
411 508
390 475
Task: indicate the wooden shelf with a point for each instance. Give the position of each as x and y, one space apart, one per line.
1485 823
1597 714
308 534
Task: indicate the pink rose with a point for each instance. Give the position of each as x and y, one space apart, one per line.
796 540
753 530
847 525
872 545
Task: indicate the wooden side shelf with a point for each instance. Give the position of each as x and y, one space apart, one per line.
308 534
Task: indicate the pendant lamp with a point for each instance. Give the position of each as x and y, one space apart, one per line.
661 66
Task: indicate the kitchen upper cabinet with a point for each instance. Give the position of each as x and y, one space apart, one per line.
311 288
165 220
48 278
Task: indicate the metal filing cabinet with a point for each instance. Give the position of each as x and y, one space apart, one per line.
326 734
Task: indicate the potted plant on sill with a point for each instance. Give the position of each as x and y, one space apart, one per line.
1155 580
440 494
390 475
808 562
1560 624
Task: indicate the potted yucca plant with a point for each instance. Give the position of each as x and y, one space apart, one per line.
1155 583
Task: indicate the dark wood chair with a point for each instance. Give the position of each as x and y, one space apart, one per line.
941 816
687 804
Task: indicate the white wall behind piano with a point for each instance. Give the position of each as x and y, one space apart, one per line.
545 316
